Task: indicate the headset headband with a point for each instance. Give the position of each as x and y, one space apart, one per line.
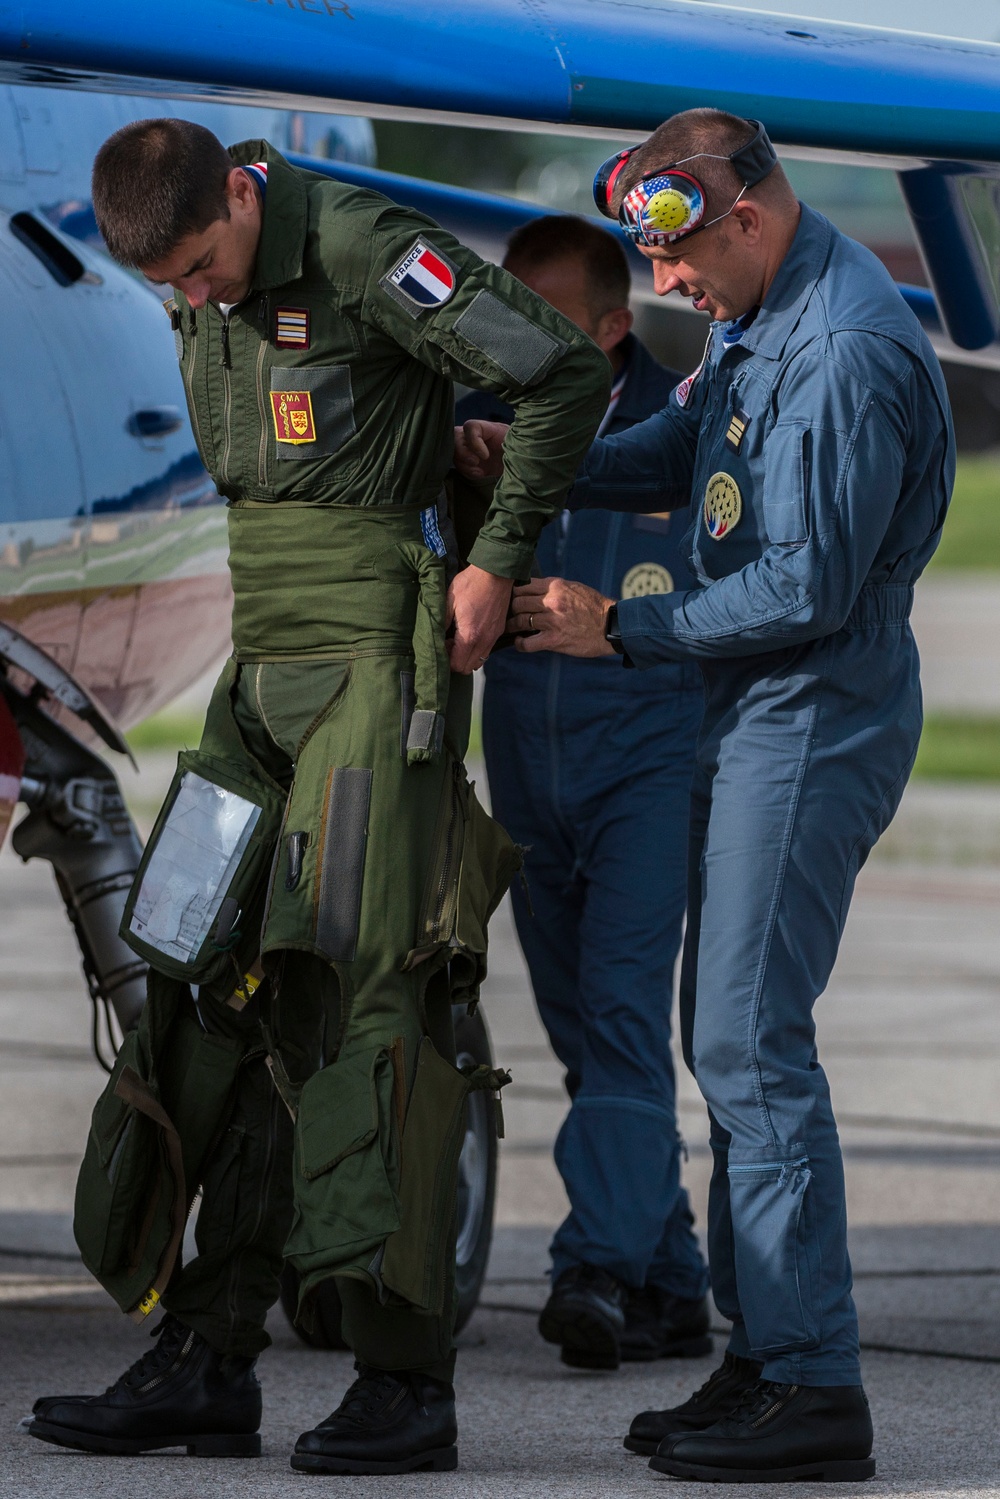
751 162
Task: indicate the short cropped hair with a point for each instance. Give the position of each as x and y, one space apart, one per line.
562 236
707 134
154 183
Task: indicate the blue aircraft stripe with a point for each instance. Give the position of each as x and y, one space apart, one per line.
605 63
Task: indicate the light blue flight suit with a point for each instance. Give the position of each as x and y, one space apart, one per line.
830 419
590 769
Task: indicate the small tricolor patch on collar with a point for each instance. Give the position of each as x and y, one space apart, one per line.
293 416
421 280
291 330
738 424
686 386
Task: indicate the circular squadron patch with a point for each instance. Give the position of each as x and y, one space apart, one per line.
644 578
723 505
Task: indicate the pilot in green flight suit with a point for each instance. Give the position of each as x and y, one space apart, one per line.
315 894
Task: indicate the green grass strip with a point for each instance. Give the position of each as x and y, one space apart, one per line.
971 536
959 747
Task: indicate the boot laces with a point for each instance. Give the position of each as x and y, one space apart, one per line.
725 1371
373 1392
761 1401
173 1343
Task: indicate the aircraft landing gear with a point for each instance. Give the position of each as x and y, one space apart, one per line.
477 1185
78 821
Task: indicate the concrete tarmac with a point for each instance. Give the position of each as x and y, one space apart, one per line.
910 1036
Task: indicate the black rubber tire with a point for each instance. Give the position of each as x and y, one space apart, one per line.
477 1188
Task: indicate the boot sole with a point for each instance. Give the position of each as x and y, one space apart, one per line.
211 1444
586 1342
693 1347
832 1471
443 1460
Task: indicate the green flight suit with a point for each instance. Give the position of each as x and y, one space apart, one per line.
322 406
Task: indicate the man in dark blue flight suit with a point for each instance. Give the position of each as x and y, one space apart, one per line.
817 446
590 769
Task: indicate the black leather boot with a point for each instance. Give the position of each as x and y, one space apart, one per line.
586 1315
779 1433
720 1394
179 1394
386 1423
659 1325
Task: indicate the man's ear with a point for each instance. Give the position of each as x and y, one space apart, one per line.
240 191
749 220
612 327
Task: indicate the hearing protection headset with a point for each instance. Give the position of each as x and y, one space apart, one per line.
669 204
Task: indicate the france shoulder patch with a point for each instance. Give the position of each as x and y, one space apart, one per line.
422 280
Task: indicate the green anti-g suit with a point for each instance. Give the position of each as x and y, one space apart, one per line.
322 406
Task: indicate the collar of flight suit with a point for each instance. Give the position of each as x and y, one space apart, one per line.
792 287
286 216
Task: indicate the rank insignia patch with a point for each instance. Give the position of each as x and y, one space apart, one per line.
293 416
723 505
291 328
421 280
646 578
738 424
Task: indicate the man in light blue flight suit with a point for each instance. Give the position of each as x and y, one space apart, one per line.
816 442
590 770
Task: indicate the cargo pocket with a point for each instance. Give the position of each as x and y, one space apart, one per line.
131 1201
204 867
777 1257
346 1171
786 487
472 865
414 1265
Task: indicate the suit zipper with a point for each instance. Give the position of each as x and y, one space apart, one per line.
189 380
227 402
262 410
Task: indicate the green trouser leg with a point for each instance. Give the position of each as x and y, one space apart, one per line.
226 1291
389 1337
314 717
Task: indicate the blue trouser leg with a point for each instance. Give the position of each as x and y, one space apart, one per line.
796 780
606 879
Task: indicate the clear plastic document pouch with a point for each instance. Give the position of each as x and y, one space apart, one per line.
206 859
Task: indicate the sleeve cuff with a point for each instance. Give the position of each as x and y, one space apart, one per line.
504 559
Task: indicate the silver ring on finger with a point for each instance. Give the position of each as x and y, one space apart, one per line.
531 621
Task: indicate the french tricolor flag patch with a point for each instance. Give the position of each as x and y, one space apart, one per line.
423 277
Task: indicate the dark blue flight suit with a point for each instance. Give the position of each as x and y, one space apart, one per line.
590 767
819 453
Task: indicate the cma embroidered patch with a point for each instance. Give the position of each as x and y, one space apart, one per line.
738 424
646 578
291 328
723 505
293 416
423 279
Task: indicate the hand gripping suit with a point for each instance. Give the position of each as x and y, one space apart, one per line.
590 770
359 871
819 454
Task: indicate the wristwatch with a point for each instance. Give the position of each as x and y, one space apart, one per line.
613 635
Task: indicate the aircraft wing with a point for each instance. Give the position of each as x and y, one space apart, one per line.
601 65
929 106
